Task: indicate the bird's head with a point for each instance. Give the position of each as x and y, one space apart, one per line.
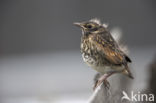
92 26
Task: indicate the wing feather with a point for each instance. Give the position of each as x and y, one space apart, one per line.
108 48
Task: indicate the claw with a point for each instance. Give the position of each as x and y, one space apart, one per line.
103 79
107 84
98 83
95 85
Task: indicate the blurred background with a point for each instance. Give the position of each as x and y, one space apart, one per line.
40 59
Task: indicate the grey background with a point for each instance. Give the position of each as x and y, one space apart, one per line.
40 60
46 25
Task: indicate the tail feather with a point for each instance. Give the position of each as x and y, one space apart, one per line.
117 35
127 72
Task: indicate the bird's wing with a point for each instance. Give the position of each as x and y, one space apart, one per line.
108 47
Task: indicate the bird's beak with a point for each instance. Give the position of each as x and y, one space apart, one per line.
78 24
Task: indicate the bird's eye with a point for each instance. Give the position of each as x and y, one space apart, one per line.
89 26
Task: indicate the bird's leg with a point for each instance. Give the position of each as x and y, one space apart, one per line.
103 79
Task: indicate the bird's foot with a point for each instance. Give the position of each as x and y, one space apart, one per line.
106 84
99 82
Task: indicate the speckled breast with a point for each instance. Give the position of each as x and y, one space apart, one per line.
92 58
91 61
89 53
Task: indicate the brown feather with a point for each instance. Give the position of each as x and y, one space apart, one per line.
113 54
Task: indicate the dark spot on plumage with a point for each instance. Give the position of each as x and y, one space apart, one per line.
128 59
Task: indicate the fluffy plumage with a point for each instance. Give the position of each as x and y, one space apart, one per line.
100 50
97 21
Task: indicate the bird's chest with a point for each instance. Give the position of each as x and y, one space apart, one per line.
90 60
96 63
92 57
89 53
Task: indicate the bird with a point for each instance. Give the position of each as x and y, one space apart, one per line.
101 52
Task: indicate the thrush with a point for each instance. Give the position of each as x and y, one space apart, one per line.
101 52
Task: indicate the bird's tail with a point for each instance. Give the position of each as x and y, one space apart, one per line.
127 72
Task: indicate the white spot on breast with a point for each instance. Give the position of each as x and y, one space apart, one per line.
89 60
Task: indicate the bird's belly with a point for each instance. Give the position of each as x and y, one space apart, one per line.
101 68
107 69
